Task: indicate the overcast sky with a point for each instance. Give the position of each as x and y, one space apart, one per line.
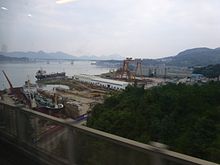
131 28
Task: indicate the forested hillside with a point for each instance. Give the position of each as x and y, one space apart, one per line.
196 56
187 118
211 71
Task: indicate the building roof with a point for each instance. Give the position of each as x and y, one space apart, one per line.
96 78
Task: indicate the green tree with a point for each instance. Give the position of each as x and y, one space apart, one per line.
185 117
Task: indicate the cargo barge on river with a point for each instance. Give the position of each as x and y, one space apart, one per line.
41 75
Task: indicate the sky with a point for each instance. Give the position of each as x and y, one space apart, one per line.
130 28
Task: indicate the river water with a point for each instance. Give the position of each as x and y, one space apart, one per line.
18 73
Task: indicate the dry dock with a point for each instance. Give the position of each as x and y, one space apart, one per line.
80 97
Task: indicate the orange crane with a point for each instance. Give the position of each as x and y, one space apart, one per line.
9 82
125 72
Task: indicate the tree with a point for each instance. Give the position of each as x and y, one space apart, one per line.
185 117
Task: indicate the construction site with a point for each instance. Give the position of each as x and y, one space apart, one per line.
80 98
84 91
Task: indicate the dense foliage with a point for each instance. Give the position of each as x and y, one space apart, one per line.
211 71
187 118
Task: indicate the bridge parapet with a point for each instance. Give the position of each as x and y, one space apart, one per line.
60 142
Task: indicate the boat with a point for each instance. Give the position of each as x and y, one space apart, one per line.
28 95
41 74
47 105
72 62
93 63
38 101
29 91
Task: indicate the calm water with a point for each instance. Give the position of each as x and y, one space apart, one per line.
19 73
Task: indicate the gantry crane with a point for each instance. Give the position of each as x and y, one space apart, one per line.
125 72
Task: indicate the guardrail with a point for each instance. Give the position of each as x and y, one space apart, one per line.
60 142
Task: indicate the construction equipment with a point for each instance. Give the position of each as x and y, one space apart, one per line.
9 82
126 73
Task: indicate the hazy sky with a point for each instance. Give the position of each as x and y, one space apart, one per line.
131 28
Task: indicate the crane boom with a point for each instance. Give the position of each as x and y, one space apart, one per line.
9 82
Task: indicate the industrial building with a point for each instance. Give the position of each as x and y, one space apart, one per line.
107 83
164 71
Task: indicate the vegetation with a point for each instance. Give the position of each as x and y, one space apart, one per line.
195 57
211 71
187 118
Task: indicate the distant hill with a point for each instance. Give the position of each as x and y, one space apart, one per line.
104 57
57 55
39 55
11 59
189 58
195 57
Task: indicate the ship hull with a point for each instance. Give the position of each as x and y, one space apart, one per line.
50 76
48 110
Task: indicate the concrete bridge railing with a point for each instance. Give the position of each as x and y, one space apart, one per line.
57 141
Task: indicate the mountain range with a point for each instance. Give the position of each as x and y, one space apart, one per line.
196 56
57 55
187 58
13 59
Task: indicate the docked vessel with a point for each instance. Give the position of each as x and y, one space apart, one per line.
31 96
93 63
48 104
29 92
41 74
38 101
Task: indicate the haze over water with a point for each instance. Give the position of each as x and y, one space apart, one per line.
18 73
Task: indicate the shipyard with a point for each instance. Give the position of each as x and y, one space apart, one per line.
109 82
55 101
74 96
68 97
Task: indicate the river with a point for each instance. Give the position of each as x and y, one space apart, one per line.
18 73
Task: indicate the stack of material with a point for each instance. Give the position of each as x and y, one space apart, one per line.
73 109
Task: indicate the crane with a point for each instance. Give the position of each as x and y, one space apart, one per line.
9 82
127 73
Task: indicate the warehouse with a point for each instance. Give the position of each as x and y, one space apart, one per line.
107 83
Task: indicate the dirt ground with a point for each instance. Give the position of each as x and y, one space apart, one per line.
80 97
